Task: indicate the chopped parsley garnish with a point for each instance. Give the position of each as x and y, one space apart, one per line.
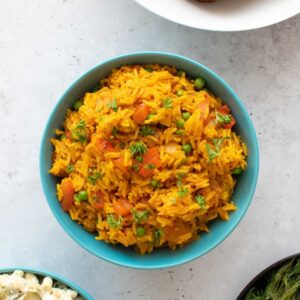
140 216
213 153
167 103
180 176
79 134
114 131
113 105
201 201
80 124
158 233
183 192
150 166
92 179
223 119
138 148
113 223
146 130
70 168
135 167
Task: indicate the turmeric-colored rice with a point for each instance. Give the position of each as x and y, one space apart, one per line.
148 159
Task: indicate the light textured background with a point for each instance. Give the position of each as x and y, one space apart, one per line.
45 45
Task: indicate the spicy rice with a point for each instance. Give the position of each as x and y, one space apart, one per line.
148 159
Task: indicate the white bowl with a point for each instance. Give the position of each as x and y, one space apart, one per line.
224 15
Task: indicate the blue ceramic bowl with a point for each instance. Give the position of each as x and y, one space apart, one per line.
219 230
55 277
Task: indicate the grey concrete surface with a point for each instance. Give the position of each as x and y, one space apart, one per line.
45 45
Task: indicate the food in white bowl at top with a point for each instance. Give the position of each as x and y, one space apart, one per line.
28 286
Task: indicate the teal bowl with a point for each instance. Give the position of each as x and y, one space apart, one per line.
55 277
219 230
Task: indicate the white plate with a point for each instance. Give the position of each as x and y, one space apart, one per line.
224 15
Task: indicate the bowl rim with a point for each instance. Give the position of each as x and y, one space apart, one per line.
70 284
217 78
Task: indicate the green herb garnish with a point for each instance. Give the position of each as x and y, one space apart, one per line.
140 216
179 177
183 192
92 179
70 169
79 134
167 103
201 201
135 168
80 124
213 153
158 233
223 119
113 223
146 130
138 148
113 105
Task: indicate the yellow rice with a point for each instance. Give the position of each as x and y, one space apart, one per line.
172 219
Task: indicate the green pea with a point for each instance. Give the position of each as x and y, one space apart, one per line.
77 104
199 83
185 115
139 159
154 183
150 116
81 196
180 124
237 171
180 93
179 132
140 231
187 148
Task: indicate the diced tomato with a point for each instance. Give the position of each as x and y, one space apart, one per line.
225 110
68 195
122 207
141 113
150 158
204 106
151 153
119 163
99 200
68 135
231 124
104 146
